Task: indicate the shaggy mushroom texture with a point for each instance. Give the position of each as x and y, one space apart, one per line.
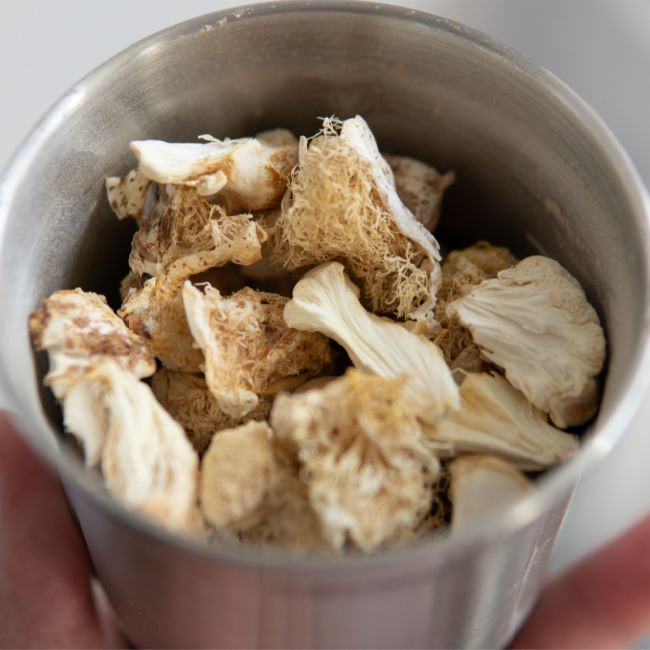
361 452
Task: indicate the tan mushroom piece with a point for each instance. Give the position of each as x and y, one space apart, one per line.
534 321
78 330
247 173
420 187
249 350
181 223
157 311
362 455
342 204
495 418
483 487
249 489
187 398
462 270
326 301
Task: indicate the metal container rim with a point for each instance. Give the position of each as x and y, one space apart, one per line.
440 548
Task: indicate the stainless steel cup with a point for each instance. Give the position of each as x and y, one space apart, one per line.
536 170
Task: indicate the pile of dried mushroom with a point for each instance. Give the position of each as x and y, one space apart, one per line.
319 379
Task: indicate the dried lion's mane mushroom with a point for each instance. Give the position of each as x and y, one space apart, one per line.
291 365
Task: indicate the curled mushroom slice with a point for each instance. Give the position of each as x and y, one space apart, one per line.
482 487
420 187
534 321
361 452
495 418
147 462
326 301
157 312
187 398
247 173
78 329
250 488
249 350
342 204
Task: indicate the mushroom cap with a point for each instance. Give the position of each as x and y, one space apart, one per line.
534 321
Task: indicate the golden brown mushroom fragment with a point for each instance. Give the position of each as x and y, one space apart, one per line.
78 329
362 454
187 398
157 310
534 321
461 271
250 488
420 187
342 204
147 462
326 301
247 174
181 223
482 487
495 418
249 350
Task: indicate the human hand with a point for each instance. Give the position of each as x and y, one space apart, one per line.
45 597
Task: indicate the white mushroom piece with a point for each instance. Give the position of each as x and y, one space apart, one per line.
534 321
462 270
362 455
147 462
187 398
156 311
250 488
342 204
482 487
420 187
78 330
495 418
249 350
327 301
246 173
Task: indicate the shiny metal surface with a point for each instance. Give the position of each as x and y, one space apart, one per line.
536 170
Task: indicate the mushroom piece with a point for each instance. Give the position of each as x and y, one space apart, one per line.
127 195
78 330
249 350
147 462
481 487
361 453
534 321
326 301
179 224
247 173
420 187
250 488
495 418
342 204
462 270
187 398
157 312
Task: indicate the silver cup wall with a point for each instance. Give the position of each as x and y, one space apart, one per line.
536 170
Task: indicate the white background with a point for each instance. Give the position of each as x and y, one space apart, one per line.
601 48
